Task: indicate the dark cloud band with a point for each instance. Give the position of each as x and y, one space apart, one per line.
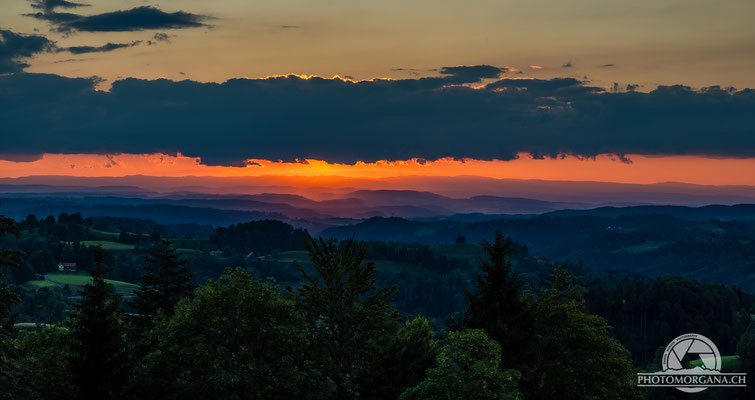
49 5
288 118
99 49
135 19
15 48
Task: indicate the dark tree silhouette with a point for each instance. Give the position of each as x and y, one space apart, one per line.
165 282
499 307
348 314
98 355
8 258
13 383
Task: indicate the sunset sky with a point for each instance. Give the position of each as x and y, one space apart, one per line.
589 90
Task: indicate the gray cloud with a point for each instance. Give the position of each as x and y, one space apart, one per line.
289 118
50 5
99 49
15 48
135 19
159 37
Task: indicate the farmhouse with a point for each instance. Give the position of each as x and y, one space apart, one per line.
67 266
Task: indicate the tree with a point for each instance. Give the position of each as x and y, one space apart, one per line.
236 339
467 368
46 355
746 348
347 313
574 357
8 258
746 353
165 282
98 356
13 379
402 362
500 307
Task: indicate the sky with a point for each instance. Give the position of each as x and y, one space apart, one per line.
596 90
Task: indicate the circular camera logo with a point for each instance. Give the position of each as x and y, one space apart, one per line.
691 363
691 347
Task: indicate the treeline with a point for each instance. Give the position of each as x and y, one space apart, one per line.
258 237
644 315
74 227
423 255
653 245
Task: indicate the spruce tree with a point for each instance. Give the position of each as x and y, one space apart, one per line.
348 314
165 282
98 356
499 306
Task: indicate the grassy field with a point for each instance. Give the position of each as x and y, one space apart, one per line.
109 245
77 280
103 235
37 284
645 247
30 326
728 363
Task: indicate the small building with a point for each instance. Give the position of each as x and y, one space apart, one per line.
67 266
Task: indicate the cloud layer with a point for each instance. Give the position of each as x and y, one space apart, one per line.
331 119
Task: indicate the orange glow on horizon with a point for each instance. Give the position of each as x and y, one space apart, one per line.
603 168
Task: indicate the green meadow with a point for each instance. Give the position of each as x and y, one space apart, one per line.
728 363
107 245
37 284
78 280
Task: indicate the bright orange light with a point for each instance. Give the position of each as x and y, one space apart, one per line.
605 168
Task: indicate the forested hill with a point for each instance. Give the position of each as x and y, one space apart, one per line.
712 250
742 212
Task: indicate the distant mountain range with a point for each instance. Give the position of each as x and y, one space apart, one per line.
336 187
200 200
197 207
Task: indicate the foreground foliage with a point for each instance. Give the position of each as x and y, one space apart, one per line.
336 336
238 338
467 368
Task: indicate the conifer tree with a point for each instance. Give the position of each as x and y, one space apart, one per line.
98 356
165 282
499 306
348 314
